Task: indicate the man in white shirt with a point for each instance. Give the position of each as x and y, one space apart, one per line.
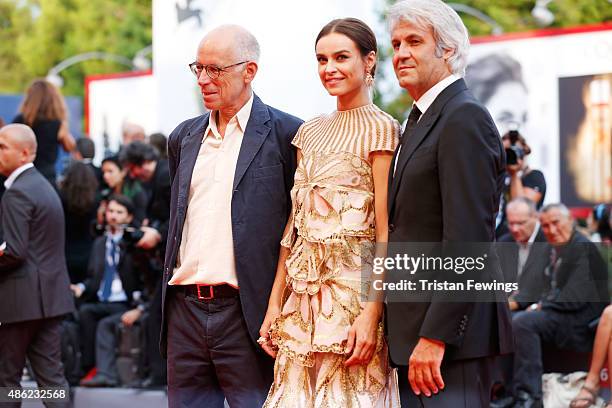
231 172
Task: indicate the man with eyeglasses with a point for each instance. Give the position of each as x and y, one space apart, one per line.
524 256
231 171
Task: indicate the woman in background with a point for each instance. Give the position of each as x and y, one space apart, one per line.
44 110
78 192
115 177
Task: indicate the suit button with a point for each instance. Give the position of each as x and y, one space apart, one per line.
391 227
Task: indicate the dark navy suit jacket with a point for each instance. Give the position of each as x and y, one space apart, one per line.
261 201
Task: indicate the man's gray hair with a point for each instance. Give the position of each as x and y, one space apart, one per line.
449 32
557 206
523 200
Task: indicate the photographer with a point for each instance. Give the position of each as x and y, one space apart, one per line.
113 284
522 181
115 177
143 163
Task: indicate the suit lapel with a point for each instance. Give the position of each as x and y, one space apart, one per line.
254 135
190 147
419 132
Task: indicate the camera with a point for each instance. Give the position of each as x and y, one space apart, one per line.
514 153
132 235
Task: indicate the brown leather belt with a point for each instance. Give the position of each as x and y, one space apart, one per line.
209 292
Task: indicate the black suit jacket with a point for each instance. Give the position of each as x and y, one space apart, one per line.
260 204
158 209
533 282
34 281
128 272
446 188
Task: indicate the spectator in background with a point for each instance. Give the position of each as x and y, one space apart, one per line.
526 261
143 163
578 295
601 349
131 132
521 180
115 177
113 284
85 152
78 192
598 224
160 142
44 110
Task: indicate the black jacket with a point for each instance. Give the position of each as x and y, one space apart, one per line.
446 188
131 279
34 281
533 282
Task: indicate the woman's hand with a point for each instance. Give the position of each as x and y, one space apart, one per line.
363 334
272 314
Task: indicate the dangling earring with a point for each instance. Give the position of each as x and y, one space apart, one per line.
369 80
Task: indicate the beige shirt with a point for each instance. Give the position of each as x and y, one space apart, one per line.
206 254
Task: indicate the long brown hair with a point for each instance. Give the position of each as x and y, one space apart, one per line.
43 101
79 188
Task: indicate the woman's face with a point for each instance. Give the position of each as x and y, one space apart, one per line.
112 174
508 107
342 69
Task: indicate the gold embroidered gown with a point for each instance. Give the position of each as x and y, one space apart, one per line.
333 219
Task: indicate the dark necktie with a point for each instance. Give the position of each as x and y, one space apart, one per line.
413 118
110 268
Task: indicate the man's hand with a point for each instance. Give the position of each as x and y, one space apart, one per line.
129 317
77 290
424 367
150 238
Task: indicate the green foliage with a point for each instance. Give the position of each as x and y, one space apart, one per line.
512 16
36 35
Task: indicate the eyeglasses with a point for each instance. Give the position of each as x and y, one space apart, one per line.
212 71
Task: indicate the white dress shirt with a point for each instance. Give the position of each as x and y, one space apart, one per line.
16 173
426 100
206 254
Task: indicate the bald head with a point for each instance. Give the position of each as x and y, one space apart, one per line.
17 147
234 40
132 132
22 136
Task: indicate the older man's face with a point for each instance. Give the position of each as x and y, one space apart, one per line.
556 226
416 66
222 92
520 222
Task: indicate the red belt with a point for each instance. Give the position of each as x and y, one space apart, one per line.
208 292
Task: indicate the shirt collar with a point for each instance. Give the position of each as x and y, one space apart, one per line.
432 93
534 233
16 173
242 117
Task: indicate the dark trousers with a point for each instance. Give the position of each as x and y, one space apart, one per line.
89 316
40 341
211 355
530 329
467 383
106 346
